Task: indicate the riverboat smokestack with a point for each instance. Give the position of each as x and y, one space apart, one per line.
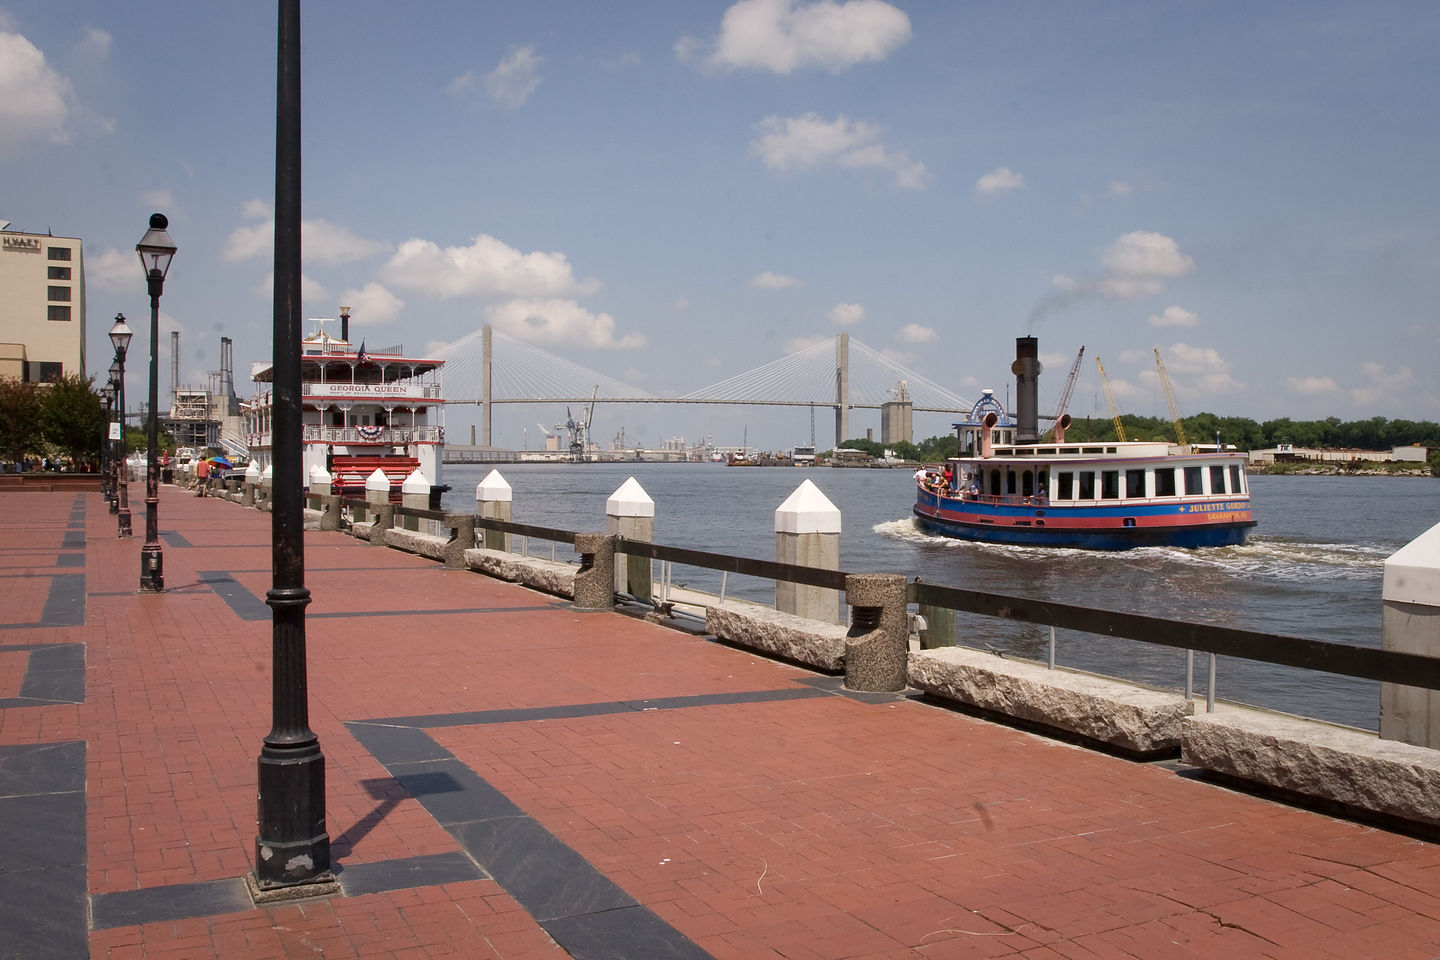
345 324
1027 389
1061 426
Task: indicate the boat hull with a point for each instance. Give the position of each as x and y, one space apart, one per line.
1103 528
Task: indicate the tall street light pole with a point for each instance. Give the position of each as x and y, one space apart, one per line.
120 335
107 394
156 250
292 847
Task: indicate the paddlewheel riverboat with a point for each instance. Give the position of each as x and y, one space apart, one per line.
362 410
1009 486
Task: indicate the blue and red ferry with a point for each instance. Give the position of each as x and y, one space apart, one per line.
1011 486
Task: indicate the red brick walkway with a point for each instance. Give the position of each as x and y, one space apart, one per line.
799 827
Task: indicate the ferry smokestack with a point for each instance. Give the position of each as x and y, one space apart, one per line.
345 324
1061 426
1027 389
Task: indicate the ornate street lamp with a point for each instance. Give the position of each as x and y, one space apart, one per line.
156 250
107 449
120 335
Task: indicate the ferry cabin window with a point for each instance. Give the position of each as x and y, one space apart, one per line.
1065 488
1135 484
1109 484
994 483
1009 481
1087 486
1165 482
1235 478
1217 479
1193 481
337 418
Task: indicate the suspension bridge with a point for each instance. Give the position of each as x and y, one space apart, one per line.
487 367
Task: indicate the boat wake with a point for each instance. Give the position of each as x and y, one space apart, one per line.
1274 558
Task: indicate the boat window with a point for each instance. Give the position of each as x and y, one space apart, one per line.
1217 479
1009 481
994 483
1065 490
1135 484
1092 450
1192 481
1165 482
1109 484
1027 484
1235 478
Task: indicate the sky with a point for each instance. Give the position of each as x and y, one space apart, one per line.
674 193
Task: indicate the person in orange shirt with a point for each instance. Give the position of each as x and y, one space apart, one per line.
202 476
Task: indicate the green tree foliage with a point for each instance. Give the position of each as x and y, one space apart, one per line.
71 417
869 446
19 419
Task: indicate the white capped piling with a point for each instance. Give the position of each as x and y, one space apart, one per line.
807 533
318 486
415 494
630 513
267 482
377 488
492 501
377 499
1410 623
251 481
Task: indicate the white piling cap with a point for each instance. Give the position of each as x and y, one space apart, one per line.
807 510
268 474
377 480
630 500
415 483
493 489
1412 573
252 472
318 474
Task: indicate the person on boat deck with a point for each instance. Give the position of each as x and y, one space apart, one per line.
1042 497
975 485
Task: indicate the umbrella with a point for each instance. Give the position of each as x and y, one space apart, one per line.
222 462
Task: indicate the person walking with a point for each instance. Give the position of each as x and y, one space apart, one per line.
202 476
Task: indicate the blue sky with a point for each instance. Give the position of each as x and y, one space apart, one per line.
673 193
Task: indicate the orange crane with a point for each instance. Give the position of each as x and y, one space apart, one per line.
1174 410
1110 399
1069 389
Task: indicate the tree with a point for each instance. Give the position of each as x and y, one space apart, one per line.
19 419
71 416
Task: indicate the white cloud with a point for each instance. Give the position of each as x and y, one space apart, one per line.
915 333
796 344
486 268
35 101
1143 259
1174 317
372 305
1384 387
1201 370
809 141
1311 386
159 200
846 314
510 84
112 269
94 45
999 182
1121 188
773 281
558 321
782 35
322 242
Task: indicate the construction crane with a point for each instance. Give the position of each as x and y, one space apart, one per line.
1110 399
1069 389
1174 410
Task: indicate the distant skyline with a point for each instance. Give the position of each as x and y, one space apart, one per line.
672 194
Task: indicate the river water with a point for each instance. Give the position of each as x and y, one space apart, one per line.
1312 568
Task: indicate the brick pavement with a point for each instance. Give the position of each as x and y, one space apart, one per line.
507 775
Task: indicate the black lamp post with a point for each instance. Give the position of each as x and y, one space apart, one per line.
156 250
292 847
107 448
120 335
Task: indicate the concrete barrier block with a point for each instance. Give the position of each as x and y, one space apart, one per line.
878 642
1127 716
462 538
812 642
412 541
1315 759
595 580
547 576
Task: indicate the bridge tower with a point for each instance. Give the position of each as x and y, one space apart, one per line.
842 388
485 386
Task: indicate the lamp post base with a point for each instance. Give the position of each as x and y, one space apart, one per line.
292 848
152 569
123 524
